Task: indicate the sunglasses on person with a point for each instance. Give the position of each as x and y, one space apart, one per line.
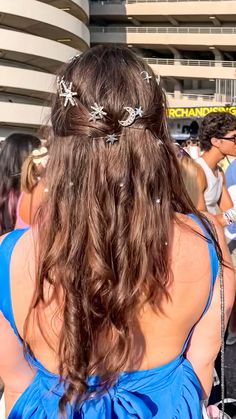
233 138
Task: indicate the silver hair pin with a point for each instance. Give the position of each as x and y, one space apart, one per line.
138 112
65 90
97 113
133 114
146 77
73 58
111 139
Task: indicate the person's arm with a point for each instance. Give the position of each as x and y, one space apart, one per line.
225 202
206 339
201 180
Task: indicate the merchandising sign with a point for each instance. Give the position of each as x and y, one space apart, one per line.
198 112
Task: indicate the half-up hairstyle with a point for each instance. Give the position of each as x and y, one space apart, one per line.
109 212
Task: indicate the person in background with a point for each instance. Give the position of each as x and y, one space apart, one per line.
32 187
116 320
217 139
193 148
15 149
230 232
193 177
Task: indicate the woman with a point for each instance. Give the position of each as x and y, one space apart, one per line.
14 151
32 187
193 177
116 323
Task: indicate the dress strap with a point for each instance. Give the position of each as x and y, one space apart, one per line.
214 265
6 249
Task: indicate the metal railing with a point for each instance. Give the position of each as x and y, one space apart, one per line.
163 29
201 63
194 97
104 2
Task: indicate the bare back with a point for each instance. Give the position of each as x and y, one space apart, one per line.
163 334
160 336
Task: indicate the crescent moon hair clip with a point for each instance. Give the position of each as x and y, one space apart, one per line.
133 114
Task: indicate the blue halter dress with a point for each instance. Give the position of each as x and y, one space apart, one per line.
171 391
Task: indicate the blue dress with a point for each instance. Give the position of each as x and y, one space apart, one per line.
171 391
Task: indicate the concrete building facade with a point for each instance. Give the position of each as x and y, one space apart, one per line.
36 37
190 44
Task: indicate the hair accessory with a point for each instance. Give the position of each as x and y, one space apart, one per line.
138 112
97 113
40 156
121 185
159 141
158 201
146 77
46 190
111 138
133 114
73 58
71 184
65 90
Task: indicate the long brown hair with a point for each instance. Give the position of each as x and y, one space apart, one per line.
109 212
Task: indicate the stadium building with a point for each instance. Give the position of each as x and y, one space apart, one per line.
36 37
190 44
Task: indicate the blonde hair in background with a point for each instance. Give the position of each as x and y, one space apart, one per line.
189 170
30 175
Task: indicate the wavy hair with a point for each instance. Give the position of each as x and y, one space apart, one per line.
108 216
215 124
14 151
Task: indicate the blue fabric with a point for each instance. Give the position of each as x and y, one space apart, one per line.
171 391
230 181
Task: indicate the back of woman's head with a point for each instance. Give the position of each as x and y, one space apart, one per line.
189 170
14 151
113 194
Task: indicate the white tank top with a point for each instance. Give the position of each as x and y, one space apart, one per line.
214 187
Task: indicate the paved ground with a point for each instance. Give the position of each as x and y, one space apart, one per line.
230 370
230 373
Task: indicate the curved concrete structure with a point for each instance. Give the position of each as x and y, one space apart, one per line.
36 37
191 44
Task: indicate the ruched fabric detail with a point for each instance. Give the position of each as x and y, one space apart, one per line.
171 391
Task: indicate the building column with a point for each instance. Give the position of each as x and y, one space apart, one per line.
177 55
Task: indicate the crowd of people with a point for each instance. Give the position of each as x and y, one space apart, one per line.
112 252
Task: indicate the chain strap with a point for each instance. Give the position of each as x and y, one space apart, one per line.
222 329
222 314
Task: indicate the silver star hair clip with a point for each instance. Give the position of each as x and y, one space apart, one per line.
65 90
133 114
111 139
97 113
146 76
